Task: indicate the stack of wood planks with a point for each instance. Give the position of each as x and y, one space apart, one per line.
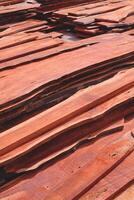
12 11
49 5
53 77
67 105
97 18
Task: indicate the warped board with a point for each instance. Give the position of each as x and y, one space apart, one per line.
58 69
51 178
55 4
67 99
85 101
89 20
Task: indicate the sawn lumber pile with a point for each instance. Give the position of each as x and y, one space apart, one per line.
98 18
12 11
49 5
67 100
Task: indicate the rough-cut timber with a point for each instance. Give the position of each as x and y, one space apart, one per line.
66 99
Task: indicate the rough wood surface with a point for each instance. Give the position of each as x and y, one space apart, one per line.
66 99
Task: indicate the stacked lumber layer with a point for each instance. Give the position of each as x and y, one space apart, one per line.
66 106
49 70
12 11
100 119
49 5
97 18
24 27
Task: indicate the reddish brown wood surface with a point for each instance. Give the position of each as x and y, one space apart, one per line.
66 99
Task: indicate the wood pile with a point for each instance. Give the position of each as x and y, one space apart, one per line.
12 11
49 5
97 18
67 105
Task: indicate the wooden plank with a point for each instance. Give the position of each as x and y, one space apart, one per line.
27 48
57 67
114 182
65 111
91 174
18 7
50 176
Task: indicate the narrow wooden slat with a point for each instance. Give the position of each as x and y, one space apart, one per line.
87 177
65 111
